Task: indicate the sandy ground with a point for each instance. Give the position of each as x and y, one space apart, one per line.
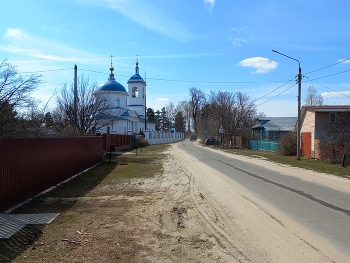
196 214
190 213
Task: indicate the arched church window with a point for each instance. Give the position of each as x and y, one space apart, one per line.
117 102
135 92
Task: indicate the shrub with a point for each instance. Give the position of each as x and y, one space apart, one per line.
141 142
333 152
288 144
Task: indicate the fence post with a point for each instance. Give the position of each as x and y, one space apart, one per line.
343 160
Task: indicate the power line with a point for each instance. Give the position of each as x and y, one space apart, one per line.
48 70
216 82
312 80
226 82
331 74
199 81
341 61
274 90
276 95
195 81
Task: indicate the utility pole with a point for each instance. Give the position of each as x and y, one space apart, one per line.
299 120
75 96
145 118
145 106
299 98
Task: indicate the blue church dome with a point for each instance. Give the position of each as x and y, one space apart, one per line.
136 77
111 84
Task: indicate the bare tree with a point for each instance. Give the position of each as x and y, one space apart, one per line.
245 111
232 110
313 98
15 91
170 113
185 108
261 114
32 120
222 105
92 109
198 99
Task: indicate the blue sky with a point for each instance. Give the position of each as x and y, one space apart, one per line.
208 44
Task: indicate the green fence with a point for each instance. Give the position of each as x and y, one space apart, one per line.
271 146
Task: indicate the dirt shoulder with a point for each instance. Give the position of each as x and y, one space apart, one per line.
189 213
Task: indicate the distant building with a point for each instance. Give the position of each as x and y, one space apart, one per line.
315 121
124 111
271 128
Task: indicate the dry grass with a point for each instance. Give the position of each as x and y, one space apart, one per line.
305 163
93 212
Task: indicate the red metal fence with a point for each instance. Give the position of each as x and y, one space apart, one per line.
30 166
118 141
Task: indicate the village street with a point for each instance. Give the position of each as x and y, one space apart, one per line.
206 205
245 224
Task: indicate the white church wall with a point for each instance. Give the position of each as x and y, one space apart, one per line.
163 137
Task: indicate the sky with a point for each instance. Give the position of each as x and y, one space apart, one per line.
211 45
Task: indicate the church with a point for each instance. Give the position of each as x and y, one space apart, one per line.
124 112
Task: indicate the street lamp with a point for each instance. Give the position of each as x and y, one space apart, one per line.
299 91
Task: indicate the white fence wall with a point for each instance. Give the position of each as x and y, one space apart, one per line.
155 137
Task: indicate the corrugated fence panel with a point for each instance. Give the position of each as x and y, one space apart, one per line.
30 166
120 141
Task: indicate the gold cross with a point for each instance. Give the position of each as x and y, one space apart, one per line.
111 60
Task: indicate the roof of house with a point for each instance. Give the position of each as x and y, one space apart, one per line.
324 108
276 123
329 107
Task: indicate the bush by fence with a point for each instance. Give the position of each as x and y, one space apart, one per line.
333 152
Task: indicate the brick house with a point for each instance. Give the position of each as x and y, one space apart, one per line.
314 123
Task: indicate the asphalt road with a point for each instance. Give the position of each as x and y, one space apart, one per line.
319 208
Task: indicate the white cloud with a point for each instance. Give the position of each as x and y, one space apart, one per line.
237 41
149 16
21 43
262 65
209 4
240 29
335 94
345 61
15 34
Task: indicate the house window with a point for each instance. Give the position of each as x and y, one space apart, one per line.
332 116
117 102
135 92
